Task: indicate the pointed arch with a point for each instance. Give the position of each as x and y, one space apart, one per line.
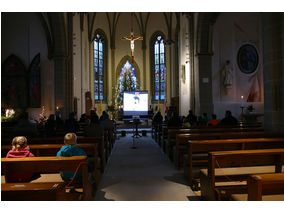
14 83
99 49
158 66
121 63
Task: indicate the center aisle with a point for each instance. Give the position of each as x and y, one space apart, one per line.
142 174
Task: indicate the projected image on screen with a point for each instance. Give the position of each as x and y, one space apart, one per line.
135 103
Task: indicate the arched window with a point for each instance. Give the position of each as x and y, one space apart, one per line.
99 65
127 77
158 59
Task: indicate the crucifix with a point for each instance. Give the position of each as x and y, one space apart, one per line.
132 39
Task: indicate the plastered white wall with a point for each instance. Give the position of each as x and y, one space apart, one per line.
230 31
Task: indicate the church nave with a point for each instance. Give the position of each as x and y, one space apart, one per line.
142 174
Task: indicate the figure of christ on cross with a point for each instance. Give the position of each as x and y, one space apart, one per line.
132 38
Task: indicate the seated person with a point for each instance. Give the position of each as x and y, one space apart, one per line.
68 150
213 121
158 119
229 120
24 127
191 118
205 119
71 124
50 126
95 129
20 149
106 123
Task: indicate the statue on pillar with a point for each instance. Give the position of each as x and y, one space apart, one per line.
88 101
227 76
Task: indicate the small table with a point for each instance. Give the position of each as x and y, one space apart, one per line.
136 134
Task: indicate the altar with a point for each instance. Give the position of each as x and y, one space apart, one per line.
252 117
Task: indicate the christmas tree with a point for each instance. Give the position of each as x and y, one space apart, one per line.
126 82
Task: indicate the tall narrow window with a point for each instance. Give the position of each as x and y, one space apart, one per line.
99 67
159 69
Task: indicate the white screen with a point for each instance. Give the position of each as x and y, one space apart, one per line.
135 103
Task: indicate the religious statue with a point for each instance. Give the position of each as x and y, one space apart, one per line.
227 75
132 39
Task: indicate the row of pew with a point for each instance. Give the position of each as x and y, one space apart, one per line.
227 163
50 186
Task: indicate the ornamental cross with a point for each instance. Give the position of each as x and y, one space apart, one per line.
132 38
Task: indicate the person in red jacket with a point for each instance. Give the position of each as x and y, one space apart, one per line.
20 149
213 121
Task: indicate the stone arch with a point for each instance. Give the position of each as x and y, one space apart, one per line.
122 61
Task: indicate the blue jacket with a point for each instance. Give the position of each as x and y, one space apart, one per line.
69 151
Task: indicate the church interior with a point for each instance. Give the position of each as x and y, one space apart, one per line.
206 123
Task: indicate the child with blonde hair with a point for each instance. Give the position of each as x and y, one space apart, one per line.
70 149
20 149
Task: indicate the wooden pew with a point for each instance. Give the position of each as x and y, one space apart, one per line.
31 191
206 146
109 141
172 134
224 166
182 139
264 187
102 147
42 150
45 165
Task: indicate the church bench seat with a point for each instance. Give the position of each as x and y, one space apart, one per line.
102 147
244 197
182 141
273 159
31 191
197 151
266 187
41 150
207 133
46 165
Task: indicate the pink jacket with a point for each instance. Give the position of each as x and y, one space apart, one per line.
23 176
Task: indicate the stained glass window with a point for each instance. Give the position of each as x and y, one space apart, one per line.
127 77
159 69
99 67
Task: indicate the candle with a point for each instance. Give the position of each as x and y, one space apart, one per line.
242 101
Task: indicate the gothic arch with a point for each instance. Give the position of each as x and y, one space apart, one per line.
120 64
151 59
105 74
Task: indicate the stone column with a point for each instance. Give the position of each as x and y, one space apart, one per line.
169 73
273 70
144 69
204 84
60 81
113 74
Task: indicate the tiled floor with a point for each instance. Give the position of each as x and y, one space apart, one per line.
141 174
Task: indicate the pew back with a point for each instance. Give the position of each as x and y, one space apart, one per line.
236 159
44 165
205 146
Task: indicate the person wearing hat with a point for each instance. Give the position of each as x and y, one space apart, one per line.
68 150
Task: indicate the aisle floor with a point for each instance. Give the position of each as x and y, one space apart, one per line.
141 174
